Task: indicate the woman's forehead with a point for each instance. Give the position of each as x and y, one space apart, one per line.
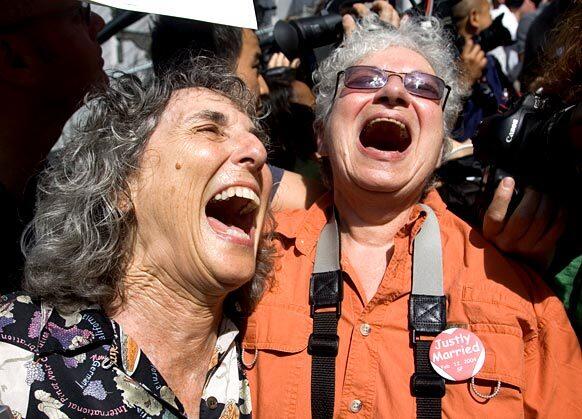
189 102
399 59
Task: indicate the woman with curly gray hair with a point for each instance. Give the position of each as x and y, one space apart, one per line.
148 231
347 332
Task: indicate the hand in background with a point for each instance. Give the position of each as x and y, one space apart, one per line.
278 59
473 61
385 11
531 231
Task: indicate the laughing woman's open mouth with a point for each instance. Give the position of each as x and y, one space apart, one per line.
232 214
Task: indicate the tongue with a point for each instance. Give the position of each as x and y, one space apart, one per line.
220 227
385 135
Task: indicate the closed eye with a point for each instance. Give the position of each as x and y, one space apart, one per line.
209 129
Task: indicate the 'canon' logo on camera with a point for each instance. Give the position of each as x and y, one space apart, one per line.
509 137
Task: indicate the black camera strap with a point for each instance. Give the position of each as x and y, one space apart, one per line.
325 292
427 317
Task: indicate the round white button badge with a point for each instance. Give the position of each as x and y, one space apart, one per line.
457 354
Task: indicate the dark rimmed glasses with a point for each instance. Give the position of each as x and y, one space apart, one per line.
416 83
83 8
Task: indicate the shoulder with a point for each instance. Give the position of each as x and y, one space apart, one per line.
40 328
465 247
19 320
480 275
281 318
303 224
505 303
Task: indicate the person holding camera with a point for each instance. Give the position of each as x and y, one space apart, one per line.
546 156
359 291
489 86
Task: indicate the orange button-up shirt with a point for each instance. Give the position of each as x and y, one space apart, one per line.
530 346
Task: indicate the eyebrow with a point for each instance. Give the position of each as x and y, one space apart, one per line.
222 120
207 115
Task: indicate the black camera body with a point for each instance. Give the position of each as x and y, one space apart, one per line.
531 143
297 36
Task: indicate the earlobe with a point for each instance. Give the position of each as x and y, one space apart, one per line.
124 198
124 202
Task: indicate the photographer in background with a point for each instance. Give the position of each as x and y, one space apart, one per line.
534 227
289 117
176 40
513 13
489 86
49 60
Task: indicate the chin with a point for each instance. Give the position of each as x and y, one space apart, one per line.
236 276
378 180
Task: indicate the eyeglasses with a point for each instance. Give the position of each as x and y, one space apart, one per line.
83 8
373 78
85 12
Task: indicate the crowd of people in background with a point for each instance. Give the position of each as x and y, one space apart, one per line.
109 245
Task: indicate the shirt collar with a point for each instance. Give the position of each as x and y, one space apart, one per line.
304 226
227 333
72 333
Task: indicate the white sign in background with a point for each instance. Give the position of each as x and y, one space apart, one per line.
226 12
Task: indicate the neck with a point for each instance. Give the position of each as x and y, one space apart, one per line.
372 219
176 330
28 131
368 225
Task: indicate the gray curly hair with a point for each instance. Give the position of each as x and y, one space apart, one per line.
78 244
422 35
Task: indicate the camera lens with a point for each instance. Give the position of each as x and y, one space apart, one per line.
298 36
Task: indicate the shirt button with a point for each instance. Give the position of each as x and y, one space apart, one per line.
356 406
211 402
365 329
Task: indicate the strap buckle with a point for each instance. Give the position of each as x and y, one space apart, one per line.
326 291
427 385
323 344
416 335
426 315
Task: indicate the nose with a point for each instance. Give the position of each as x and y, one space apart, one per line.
95 25
250 153
394 92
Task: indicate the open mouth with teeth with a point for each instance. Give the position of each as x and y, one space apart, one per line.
385 134
232 214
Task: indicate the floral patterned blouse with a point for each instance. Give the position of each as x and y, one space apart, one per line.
81 365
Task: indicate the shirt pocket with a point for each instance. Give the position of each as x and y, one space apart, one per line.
277 328
280 380
498 320
504 354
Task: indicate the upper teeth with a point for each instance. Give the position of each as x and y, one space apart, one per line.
242 192
403 132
